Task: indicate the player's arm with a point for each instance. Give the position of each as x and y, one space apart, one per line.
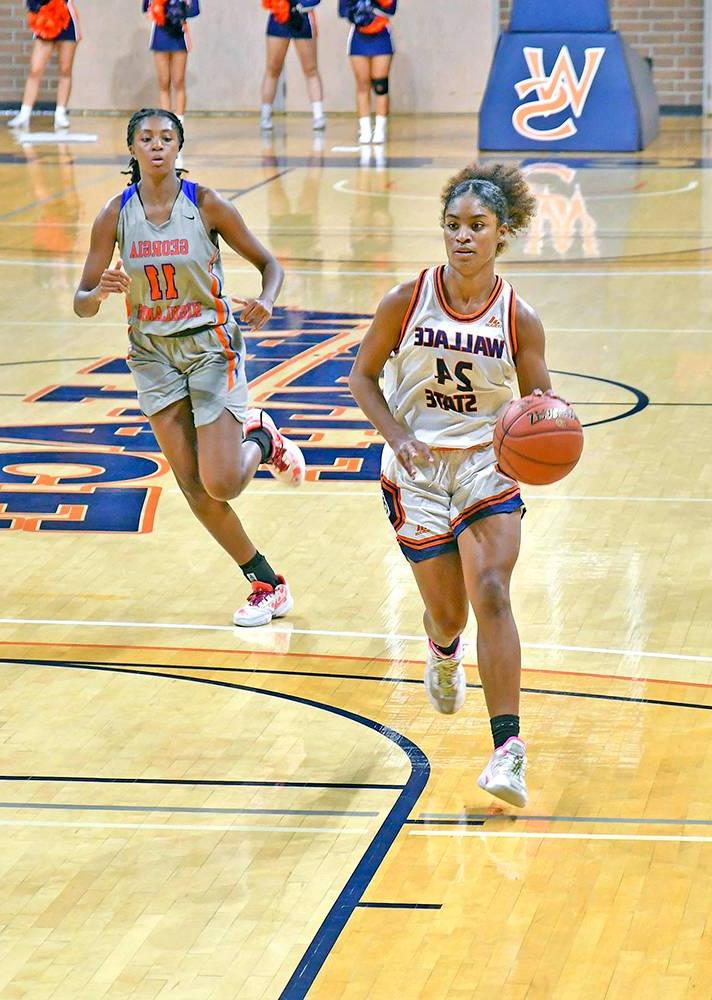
220 216
99 280
532 372
376 347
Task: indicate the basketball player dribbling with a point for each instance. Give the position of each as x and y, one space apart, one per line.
185 350
453 343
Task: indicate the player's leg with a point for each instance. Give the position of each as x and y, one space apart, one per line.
306 51
66 52
489 548
380 68
178 63
41 52
226 461
178 439
228 452
361 66
442 588
162 61
274 61
419 512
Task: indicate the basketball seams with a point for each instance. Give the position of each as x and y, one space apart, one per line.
527 430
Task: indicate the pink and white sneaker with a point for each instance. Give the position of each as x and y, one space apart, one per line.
286 462
505 773
264 604
445 682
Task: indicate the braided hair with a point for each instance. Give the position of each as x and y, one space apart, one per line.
501 189
135 120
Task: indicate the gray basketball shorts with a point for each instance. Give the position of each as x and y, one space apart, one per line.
208 366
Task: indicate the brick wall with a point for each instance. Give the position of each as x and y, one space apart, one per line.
671 33
15 47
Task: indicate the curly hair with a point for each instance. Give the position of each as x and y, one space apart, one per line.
501 189
134 121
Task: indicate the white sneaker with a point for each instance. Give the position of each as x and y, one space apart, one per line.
264 604
380 130
20 120
445 683
364 130
286 461
61 118
266 122
504 775
319 123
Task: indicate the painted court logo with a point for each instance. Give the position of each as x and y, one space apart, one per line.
555 92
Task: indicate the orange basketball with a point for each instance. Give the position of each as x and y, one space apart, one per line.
538 439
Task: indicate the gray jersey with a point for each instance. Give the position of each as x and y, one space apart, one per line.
450 375
175 268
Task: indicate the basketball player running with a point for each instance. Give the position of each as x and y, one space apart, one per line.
452 343
185 349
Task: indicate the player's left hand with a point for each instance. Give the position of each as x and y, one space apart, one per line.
255 312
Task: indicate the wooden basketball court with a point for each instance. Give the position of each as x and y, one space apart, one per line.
193 811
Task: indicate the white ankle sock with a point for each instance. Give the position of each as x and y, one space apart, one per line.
318 109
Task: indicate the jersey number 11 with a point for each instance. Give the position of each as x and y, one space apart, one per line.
154 281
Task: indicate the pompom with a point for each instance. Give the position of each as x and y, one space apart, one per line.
157 12
280 9
49 20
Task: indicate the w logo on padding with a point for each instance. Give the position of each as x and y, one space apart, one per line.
561 89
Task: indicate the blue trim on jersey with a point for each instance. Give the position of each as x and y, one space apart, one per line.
506 507
127 195
190 190
420 555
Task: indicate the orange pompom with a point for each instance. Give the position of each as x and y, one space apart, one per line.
279 8
50 20
157 11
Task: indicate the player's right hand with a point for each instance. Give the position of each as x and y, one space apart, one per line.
411 453
114 280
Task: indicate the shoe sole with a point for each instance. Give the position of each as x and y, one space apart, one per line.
284 611
241 623
507 795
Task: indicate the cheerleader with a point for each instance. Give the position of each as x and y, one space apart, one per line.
291 20
170 44
370 49
54 24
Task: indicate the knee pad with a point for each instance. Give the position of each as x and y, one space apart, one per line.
380 85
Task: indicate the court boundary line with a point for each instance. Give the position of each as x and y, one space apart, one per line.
374 678
530 835
201 782
178 810
477 819
342 634
318 656
184 827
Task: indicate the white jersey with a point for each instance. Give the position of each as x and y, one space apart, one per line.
450 375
